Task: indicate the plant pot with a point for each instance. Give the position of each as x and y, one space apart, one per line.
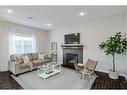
113 75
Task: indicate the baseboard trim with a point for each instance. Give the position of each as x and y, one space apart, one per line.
120 74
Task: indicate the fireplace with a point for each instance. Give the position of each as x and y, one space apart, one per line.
72 55
71 58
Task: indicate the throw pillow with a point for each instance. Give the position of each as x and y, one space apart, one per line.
49 55
41 56
26 59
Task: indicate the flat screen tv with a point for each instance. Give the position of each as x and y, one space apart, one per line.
72 38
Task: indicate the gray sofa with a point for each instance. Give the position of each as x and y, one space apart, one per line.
16 65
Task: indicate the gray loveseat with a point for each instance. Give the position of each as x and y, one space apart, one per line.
16 65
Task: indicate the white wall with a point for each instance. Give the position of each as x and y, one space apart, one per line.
126 36
7 27
92 33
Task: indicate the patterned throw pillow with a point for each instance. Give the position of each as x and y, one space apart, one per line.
26 59
41 56
19 59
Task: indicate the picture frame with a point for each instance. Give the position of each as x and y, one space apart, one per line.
53 45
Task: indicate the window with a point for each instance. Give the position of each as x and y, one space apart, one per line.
22 44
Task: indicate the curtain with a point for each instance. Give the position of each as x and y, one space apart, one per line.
41 43
11 33
4 48
34 42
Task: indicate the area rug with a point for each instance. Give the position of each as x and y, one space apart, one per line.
66 79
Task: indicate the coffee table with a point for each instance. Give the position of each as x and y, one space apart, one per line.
49 69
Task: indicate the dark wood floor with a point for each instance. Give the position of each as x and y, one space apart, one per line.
7 82
103 82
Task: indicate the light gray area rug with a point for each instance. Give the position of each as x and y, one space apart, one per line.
66 79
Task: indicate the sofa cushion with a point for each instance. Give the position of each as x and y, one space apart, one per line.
38 61
41 61
13 57
34 56
16 57
19 58
48 60
23 66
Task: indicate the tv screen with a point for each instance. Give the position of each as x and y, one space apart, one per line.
72 38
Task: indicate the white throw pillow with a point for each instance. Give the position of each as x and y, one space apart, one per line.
26 59
41 56
49 55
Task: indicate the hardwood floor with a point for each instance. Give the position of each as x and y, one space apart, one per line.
104 82
7 82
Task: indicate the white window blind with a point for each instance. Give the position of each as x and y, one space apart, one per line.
23 42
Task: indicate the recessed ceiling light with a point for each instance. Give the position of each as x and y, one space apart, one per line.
48 24
83 13
9 11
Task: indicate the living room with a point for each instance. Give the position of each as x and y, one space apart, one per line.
54 34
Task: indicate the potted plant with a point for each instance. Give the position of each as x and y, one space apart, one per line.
116 44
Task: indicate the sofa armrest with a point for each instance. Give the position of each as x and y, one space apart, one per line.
14 67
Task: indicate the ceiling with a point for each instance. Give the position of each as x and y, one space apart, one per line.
57 16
